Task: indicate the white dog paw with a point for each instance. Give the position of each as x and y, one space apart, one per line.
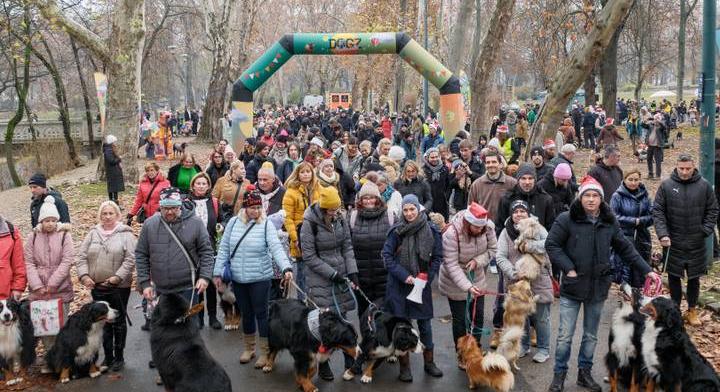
391 359
267 369
365 379
65 380
348 375
95 374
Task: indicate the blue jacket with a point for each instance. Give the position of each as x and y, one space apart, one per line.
396 292
627 207
252 261
430 142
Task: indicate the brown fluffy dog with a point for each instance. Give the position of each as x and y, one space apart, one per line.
530 264
519 303
491 370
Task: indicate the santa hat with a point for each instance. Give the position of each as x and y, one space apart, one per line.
609 121
590 184
549 143
476 215
502 129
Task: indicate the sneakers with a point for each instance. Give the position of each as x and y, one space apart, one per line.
691 317
540 357
523 353
585 380
558 382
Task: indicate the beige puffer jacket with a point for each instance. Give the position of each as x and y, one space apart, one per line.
101 258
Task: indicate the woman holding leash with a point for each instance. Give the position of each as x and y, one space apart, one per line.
105 265
247 251
413 253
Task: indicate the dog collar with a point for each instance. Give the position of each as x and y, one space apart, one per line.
313 322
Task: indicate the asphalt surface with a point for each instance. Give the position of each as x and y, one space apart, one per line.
226 348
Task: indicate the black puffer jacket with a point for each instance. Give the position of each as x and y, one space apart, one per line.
686 211
541 205
419 187
369 231
577 243
216 172
440 190
562 195
113 170
609 177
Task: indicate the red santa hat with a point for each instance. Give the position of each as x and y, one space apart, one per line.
590 184
609 121
502 129
476 215
549 143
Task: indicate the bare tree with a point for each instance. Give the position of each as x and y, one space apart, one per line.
86 98
686 9
459 35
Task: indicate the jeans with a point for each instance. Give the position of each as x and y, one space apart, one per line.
541 321
300 277
210 297
253 300
654 153
460 318
188 294
569 309
425 330
589 136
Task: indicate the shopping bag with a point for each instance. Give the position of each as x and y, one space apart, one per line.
47 316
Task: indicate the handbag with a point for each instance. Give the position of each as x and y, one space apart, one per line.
47 316
227 272
141 215
555 286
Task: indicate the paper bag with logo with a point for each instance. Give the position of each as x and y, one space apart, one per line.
47 316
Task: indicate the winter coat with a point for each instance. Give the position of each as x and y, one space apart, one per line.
609 136
577 243
440 191
295 202
460 195
346 188
159 258
254 258
326 251
508 254
276 196
284 170
546 170
13 276
430 142
216 173
418 187
174 171
101 258
521 131
214 216
562 196
396 302
488 193
368 239
225 191
153 202
458 250
541 206
347 164
254 166
628 207
62 207
610 177
560 158
686 211
113 170
48 258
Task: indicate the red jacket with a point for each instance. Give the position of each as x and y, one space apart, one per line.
144 190
11 254
386 125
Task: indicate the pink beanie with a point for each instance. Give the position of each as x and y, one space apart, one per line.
562 172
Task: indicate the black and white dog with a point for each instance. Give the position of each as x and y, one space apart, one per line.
384 336
624 359
17 340
76 348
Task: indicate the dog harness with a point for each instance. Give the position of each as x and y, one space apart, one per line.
313 323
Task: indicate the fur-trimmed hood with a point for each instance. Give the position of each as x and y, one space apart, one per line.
577 213
60 227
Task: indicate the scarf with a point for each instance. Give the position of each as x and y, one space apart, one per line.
327 181
512 231
388 193
434 170
416 244
371 213
105 234
265 197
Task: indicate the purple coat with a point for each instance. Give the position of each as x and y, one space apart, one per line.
48 257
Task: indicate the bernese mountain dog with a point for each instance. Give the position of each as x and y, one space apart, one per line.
17 340
178 351
624 358
310 335
383 336
76 348
673 362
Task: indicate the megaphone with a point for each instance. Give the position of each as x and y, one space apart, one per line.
418 287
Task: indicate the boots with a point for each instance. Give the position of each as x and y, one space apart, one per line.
325 372
213 322
107 348
264 352
495 339
249 352
119 346
691 317
430 367
585 380
405 373
558 382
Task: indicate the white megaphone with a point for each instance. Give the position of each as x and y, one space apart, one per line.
418 287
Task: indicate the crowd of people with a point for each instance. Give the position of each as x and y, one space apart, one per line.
336 201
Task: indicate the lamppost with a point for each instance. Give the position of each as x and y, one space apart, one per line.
707 95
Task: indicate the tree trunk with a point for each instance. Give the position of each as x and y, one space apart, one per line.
475 51
21 89
686 10
608 75
400 64
485 67
457 42
580 64
589 87
86 100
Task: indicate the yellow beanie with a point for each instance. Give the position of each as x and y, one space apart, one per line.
267 165
329 198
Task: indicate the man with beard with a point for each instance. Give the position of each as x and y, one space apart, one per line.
542 169
550 149
558 187
567 154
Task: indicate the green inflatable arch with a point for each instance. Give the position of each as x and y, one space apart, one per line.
451 114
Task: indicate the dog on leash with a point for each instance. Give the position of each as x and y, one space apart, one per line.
519 304
178 351
624 359
491 370
228 304
17 340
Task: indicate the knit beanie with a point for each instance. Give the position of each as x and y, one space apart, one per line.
48 209
251 197
411 199
590 184
38 179
267 165
525 169
519 204
329 198
562 172
110 139
170 197
368 189
396 153
537 150
476 215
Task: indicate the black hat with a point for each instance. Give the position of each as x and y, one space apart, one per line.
38 179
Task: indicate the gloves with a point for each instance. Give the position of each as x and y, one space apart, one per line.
336 278
354 279
129 218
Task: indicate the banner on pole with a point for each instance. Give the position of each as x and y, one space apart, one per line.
101 86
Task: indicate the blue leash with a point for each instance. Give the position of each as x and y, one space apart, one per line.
335 302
